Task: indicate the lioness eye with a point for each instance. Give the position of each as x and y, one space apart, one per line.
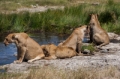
6 39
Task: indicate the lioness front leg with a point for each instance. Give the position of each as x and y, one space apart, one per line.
99 39
103 44
79 46
37 58
21 54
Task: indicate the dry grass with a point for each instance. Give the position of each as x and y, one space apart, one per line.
12 5
54 73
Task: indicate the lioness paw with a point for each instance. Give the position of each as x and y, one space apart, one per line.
30 61
98 47
17 62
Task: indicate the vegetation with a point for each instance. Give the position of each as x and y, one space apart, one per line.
61 21
46 72
13 5
89 47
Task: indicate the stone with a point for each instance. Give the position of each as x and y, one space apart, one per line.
108 55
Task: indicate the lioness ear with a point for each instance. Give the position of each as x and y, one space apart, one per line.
24 35
47 47
15 36
90 14
43 46
88 29
96 15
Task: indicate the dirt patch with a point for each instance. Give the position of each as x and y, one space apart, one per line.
33 9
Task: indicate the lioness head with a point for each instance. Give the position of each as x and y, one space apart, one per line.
93 20
48 49
13 37
45 50
85 28
9 39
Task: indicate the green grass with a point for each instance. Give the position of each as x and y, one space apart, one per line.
89 47
61 21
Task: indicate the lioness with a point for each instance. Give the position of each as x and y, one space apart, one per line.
27 48
58 51
97 34
75 39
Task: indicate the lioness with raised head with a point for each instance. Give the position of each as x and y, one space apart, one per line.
27 48
97 34
54 52
75 39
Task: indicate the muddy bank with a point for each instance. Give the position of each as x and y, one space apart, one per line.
108 55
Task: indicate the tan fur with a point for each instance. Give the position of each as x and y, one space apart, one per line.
97 34
58 51
27 48
75 39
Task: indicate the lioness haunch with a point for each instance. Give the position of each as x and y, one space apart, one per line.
52 51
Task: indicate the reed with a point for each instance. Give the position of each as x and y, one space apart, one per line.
62 21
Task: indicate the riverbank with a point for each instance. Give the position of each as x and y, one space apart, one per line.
7 6
103 64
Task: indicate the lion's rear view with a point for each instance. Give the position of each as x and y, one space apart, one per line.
97 34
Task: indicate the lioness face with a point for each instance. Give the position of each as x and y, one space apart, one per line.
9 39
45 50
92 20
86 29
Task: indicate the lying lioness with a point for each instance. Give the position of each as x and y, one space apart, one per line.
27 48
54 51
75 39
97 34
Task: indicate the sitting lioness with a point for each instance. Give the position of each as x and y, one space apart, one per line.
27 48
54 52
97 34
75 39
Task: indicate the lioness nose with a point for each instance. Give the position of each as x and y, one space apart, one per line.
5 43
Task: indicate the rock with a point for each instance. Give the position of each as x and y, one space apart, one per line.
86 51
118 38
104 51
112 35
108 55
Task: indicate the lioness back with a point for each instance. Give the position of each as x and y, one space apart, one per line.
65 52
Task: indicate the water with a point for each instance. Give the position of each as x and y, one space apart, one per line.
7 52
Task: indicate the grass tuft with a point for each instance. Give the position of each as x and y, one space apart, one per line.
49 72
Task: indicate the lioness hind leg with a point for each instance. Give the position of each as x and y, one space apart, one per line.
103 44
36 58
50 57
98 39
